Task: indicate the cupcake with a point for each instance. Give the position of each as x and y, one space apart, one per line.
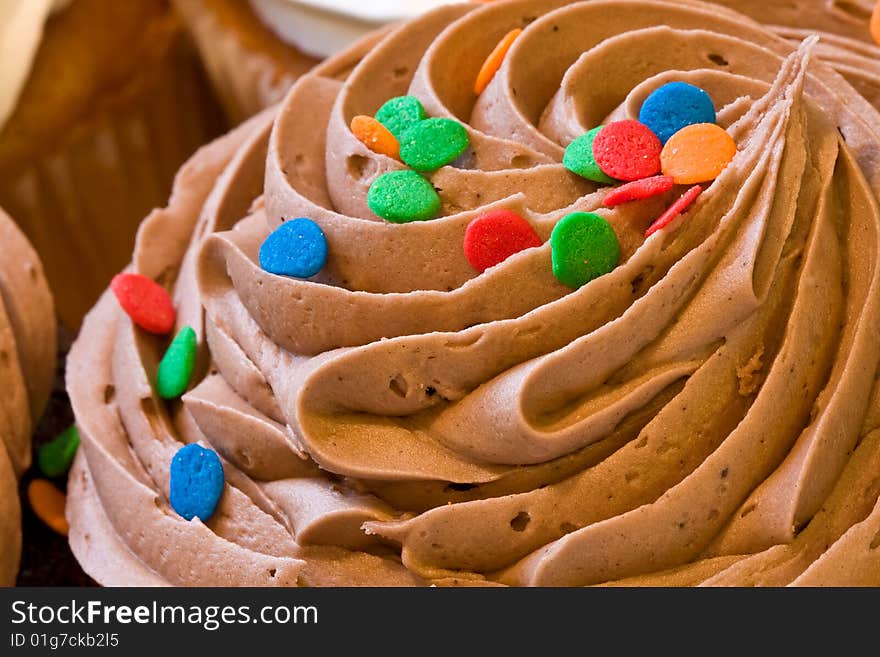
255 50
101 102
27 361
531 345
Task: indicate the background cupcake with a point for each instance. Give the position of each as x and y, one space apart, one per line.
27 360
100 102
255 49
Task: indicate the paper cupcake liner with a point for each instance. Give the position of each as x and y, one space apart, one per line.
246 79
81 205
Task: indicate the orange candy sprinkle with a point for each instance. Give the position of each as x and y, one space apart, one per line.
48 503
875 23
697 153
494 60
375 136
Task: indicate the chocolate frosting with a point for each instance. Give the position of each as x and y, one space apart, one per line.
27 363
706 413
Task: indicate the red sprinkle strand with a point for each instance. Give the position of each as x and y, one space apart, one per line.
145 301
494 236
682 204
638 190
627 150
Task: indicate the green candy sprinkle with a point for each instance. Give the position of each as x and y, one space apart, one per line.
177 365
403 196
55 457
433 143
579 158
401 113
584 246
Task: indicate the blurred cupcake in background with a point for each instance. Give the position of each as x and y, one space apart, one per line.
254 50
27 363
100 103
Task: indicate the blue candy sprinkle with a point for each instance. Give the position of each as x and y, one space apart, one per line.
296 248
196 482
674 106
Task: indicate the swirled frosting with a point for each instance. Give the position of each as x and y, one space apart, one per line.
706 413
27 362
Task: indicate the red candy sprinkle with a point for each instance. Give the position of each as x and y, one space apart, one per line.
682 204
638 190
493 237
145 301
627 150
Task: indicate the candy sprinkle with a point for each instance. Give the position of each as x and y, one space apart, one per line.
433 143
55 457
584 247
674 106
627 150
638 190
48 503
677 208
697 153
494 61
177 364
297 248
401 113
375 136
494 236
145 301
579 158
403 196
196 482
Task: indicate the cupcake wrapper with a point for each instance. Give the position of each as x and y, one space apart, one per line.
246 81
81 205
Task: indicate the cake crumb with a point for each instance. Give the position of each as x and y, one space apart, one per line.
749 375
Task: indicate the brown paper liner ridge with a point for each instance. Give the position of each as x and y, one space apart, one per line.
80 205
